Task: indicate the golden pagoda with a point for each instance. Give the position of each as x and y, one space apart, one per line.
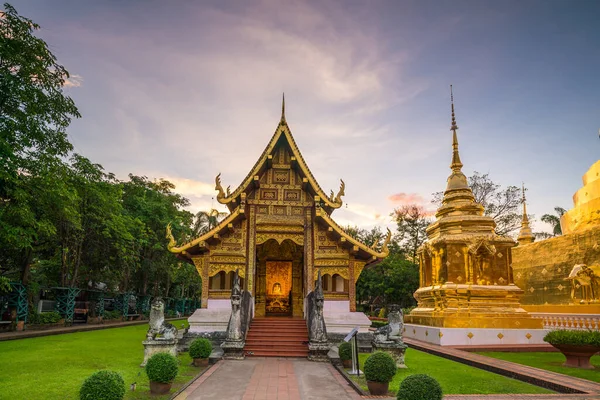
586 210
561 275
279 234
465 267
525 234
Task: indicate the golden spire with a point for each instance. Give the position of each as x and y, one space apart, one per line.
525 234
457 180
456 163
283 110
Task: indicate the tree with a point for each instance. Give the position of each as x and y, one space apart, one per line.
504 205
554 220
411 221
34 115
205 221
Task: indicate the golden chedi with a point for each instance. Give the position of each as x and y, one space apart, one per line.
586 211
465 267
561 275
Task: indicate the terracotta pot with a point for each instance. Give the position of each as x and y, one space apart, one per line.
378 388
578 356
347 363
200 362
159 388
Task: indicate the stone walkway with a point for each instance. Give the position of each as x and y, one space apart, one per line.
270 378
550 380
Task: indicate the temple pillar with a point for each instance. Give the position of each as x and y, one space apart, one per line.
351 286
308 250
201 265
251 251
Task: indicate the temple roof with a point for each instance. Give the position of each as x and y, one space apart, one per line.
200 245
282 133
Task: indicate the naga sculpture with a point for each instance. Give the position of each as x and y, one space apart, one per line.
222 196
234 328
158 326
338 198
388 338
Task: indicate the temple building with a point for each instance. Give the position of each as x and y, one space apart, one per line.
279 234
467 294
561 275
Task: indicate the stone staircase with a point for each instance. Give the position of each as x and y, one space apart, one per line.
277 337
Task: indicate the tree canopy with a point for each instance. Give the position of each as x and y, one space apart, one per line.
64 221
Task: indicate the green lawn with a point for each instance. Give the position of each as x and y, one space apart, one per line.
54 367
455 378
549 361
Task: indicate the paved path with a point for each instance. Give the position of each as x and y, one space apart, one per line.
270 378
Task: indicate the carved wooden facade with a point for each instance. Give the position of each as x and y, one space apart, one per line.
280 213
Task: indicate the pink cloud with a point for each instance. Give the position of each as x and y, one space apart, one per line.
406 198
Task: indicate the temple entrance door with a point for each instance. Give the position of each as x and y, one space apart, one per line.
279 280
278 288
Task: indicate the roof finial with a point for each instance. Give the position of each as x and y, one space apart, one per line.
456 163
283 108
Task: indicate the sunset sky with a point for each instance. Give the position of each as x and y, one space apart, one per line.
184 90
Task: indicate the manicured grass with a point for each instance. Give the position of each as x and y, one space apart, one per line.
454 377
549 361
54 367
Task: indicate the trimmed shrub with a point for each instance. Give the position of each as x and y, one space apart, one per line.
565 336
419 387
200 348
345 351
380 367
103 385
162 367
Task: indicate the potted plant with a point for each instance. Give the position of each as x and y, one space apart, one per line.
577 346
103 385
161 369
345 352
419 386
200 350
380 368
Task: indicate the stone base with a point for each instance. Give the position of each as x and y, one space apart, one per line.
339 319
394 349
216 339
233 350
317 351
152 347
212 319
474 336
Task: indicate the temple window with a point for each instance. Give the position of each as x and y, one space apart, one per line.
338 284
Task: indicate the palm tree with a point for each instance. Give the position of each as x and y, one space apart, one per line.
554 220
205 221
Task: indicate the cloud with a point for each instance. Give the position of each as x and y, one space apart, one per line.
406 198
73 81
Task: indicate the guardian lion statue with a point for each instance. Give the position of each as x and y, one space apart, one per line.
158 326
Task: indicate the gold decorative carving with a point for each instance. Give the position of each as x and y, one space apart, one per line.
358 268
268 194
341 271
281 176
297 238
280 210
292 195
327 262
216 268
